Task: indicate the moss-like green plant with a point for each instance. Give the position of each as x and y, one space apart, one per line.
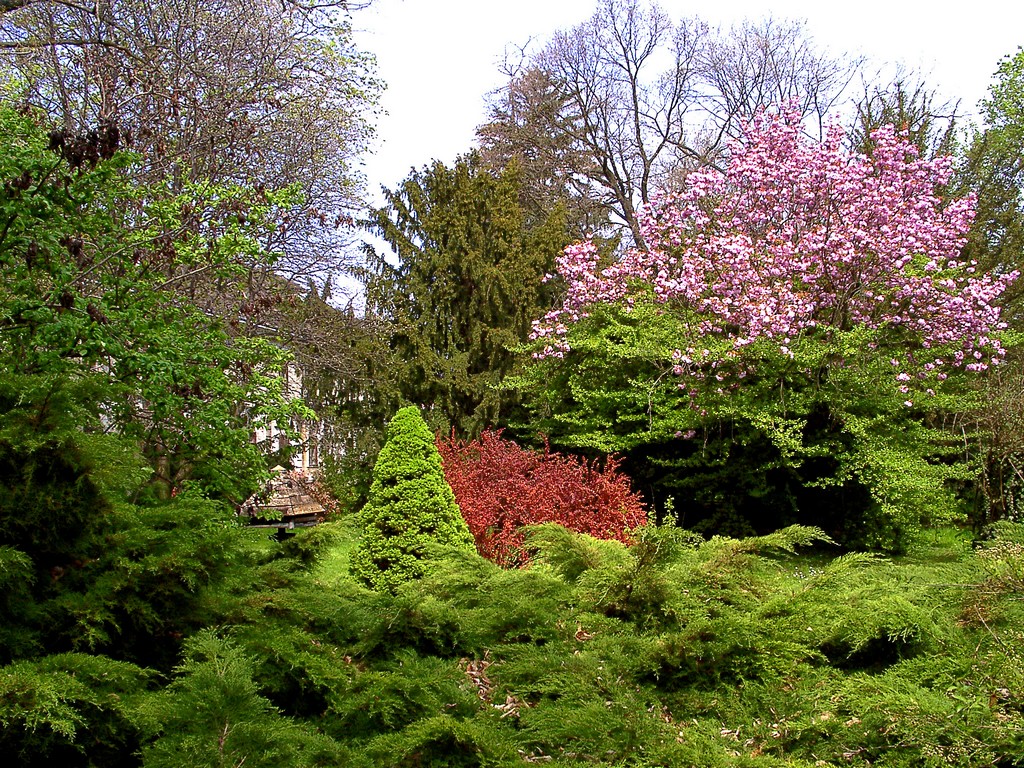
410 506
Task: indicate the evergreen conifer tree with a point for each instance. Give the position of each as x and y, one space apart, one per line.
410 505
461 286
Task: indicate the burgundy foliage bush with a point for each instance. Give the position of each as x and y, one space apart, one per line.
501 487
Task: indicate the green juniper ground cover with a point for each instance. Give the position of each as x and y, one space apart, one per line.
176 637
747 489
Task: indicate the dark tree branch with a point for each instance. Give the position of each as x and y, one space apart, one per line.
8 6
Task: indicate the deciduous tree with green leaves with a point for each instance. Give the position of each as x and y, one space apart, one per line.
90 265
993 169
256 92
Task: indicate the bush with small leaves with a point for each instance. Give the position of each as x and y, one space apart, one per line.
410 507
501 487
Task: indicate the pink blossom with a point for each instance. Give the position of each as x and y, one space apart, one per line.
797 237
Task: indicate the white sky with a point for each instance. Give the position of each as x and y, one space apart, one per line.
439 58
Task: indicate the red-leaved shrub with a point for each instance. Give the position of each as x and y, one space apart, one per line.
501 487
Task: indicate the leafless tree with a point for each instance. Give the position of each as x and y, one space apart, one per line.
637 99
907 102
755 65
629 78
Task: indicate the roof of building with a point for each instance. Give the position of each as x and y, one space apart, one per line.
285 502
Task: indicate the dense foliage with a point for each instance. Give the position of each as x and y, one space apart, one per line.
992 169
88 290
801 343
669 651
501 488
779 344
410 507
99 591
467 283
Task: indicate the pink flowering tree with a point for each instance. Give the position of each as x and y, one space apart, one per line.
807 299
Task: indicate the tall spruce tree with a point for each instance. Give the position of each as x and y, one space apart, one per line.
468 281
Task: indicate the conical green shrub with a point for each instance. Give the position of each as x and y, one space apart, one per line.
410 506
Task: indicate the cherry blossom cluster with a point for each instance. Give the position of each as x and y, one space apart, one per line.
798 236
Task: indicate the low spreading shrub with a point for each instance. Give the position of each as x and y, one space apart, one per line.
501 487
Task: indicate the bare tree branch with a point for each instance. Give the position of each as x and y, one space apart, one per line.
642 100
8 6
266 93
